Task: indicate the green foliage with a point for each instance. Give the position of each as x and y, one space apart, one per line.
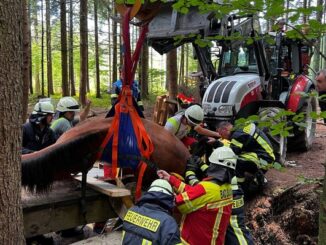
306 180
266 9
157 84
285 120
102 102
278 167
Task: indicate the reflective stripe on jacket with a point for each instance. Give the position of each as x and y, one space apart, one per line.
174 125
237 232
206 209
251 144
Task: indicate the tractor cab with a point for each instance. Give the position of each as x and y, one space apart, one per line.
288 59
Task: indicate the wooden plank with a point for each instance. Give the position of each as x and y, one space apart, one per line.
104 187
66 215
61 209
158 107
164 113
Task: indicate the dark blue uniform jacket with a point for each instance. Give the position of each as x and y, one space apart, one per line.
150 221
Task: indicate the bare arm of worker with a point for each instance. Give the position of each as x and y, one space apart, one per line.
203 131
84 113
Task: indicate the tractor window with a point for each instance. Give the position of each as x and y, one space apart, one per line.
238 60
215 52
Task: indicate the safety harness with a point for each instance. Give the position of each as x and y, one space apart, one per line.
127 135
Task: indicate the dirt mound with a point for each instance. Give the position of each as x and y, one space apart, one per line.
288 218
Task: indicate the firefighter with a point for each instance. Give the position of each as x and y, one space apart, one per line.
117 87
37 133
150 220
237 233
255 154
206 207
66 110
186 121
321 88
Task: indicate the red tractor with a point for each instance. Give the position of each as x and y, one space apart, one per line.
242 75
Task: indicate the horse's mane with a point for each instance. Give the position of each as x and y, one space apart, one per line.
41 168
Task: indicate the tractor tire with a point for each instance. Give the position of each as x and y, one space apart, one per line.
303 137
278 142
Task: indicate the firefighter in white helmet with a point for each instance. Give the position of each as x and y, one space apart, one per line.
36 132
186 121
150 220
207 206
237 233
66 110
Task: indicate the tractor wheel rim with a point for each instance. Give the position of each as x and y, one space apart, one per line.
282 148
309 120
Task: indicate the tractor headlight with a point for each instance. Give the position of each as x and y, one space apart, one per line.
225 110
206 108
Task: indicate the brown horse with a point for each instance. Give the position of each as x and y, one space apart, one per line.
76 150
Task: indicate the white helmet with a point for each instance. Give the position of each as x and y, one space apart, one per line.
194 114
161 185
43 108
67 104
223 156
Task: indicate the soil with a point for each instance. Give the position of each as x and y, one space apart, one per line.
287 212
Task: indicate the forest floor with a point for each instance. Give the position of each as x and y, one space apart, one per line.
287 211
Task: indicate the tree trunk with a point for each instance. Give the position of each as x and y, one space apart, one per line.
144 71
71 51
42 50
121 49
48 48
97 62
64 62
26 59
305 17
322 215
151 74
83 51
30 49
172 73
181 71
187 63
115 48
11 87
109 50
287 6
36 39
316 60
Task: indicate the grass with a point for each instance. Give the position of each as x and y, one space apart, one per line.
103 102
